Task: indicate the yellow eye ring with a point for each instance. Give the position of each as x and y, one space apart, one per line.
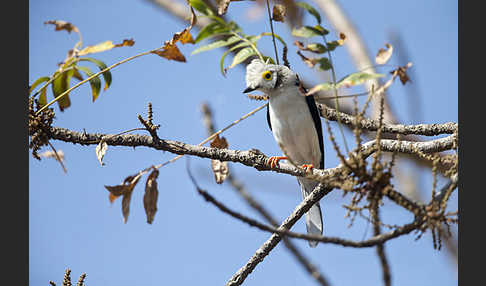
267 75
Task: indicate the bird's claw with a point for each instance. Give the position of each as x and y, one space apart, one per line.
273 161
307 167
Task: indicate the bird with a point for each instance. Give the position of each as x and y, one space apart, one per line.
294 121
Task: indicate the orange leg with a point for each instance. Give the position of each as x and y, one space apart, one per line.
273 161
307 167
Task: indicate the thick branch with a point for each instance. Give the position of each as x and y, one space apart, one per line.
252 158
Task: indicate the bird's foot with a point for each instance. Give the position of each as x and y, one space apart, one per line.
307 167
273 161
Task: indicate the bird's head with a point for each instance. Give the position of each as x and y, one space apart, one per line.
267 77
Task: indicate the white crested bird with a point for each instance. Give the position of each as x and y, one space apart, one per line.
296 126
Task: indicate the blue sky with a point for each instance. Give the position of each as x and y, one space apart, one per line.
72 223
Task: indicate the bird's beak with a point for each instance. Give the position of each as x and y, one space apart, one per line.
248 89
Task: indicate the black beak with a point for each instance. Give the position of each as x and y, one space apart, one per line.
248 89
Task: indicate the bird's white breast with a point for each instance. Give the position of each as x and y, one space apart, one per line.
293 127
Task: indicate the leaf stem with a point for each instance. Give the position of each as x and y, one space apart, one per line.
333 73
271 28
250 43
94 75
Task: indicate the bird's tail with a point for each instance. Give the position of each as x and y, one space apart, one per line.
313 217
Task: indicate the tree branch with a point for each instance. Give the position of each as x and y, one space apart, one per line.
372 124
252 158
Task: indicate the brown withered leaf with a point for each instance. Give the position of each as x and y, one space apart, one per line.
342 37
127 195
384 55
279 12
127 186
101 151
126 42
105 46
62 25
402 73
220 169
310 62
171 52
222 6
219 143
115 192
151 196
300 45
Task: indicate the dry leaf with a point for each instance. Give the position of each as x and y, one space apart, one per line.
279 12
125 190
310 62
101 151
220 169
115 192
151 196
127 197
402 73
63 25
127 186
342 37
126 42
52 154
170 50
105 46
219 143
384 55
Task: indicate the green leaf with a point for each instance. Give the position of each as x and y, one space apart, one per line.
321 29
101 65
311 10
307 32
60 85
324 64
323 87
217 44
316 48
94 82
241 56
217 19
276 36
357 78
270 60
221 62
42 98
37 82
331 46
211 30
201 7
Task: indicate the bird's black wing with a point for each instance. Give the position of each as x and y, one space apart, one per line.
268 117
317 123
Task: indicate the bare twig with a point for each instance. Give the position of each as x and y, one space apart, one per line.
239 277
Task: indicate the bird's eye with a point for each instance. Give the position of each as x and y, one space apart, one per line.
267 75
